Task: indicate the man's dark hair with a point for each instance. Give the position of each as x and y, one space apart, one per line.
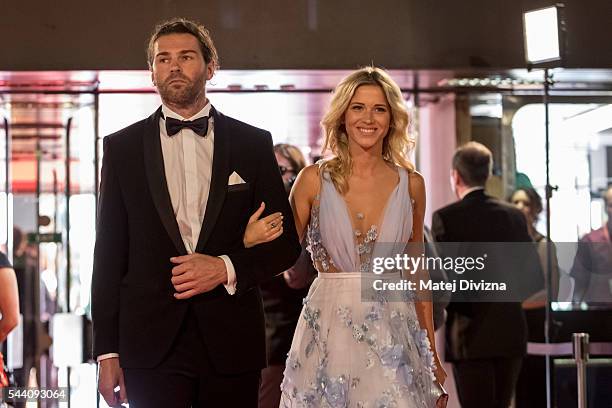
184 26
474 162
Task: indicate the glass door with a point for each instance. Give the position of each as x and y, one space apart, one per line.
52 180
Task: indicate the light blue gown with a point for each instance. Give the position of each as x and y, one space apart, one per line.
347 351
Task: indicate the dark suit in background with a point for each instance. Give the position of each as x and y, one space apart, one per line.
485 341
440 298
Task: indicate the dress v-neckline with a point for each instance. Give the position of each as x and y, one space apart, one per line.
383 215
332 238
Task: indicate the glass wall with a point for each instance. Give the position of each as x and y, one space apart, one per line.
56 150
51 220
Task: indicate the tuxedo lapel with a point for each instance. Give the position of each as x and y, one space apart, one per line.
156 177
219 177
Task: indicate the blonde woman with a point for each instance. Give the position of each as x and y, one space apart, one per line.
347 352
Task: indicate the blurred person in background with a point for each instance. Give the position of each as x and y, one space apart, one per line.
592 269
9 309
531 384
283 295
9 298
485 371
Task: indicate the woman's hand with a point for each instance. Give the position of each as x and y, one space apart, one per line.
265 230
440 378
442 401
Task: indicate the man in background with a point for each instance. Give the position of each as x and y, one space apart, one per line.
592 268
485 341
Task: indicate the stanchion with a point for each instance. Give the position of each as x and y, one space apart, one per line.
581 355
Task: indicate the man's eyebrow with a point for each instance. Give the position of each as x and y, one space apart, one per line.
164 53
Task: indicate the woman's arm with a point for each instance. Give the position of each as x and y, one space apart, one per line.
9 302
423 304
303 193
269 228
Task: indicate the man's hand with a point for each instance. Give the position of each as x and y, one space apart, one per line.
109 377
197 273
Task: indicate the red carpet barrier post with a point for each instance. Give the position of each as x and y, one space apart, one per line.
581 355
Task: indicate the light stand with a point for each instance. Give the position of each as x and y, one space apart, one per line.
543 30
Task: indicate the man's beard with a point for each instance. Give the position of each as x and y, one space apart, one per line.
184 96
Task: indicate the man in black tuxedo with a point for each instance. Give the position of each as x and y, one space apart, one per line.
176 308
485 341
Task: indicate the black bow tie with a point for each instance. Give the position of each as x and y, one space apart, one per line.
199 126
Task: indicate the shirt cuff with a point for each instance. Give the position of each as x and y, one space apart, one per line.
107 356
230 286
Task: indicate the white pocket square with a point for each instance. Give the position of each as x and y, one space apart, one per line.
235 178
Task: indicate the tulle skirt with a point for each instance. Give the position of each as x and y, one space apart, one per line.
351 352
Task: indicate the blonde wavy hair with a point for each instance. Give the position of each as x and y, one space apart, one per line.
396 145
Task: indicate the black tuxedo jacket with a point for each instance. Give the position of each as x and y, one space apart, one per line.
474 329
133 309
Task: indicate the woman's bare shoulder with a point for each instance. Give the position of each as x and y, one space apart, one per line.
308 181
416 179
310 172
416 187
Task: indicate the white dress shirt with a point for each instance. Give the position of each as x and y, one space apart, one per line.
188 161
188 167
